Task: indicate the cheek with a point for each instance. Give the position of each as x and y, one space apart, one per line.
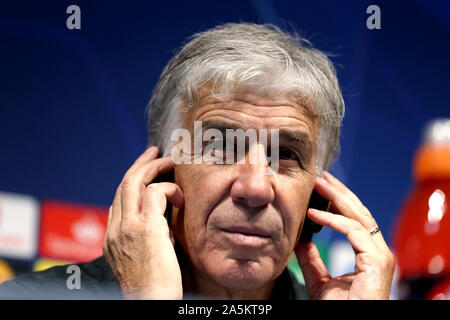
202 188
293 202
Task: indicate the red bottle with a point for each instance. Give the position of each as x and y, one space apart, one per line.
422 233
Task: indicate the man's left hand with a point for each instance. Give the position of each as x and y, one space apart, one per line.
374 261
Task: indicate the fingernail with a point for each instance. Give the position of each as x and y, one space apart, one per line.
150 149
327 174
313 211
165 163
321 179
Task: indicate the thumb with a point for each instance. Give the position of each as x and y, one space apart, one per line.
314 270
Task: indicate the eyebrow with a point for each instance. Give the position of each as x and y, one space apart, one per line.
292 136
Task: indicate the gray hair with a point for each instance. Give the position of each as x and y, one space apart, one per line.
261 57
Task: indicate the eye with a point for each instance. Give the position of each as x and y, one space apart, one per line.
215 145
214 151
287 154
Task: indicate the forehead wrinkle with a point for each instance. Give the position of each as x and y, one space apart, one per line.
247 97
250 103
258 122
251 109
243 98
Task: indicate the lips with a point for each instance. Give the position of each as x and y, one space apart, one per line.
247 231
246 236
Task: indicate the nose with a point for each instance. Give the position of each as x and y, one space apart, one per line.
253 186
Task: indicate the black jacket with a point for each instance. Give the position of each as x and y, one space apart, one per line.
98 282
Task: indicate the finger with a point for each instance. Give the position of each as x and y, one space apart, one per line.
115 215
357 235
156 195
147 173
108 222
313 268
108 226
173 194
113 223
339 185
346 203
149 154
133 185
155 200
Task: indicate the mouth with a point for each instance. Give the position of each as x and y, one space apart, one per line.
244 236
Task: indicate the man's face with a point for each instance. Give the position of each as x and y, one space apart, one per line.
240 225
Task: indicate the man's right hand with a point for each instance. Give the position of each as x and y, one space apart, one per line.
137 243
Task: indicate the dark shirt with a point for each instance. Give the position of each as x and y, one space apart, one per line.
97 282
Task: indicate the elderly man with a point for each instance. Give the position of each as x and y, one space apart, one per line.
234 224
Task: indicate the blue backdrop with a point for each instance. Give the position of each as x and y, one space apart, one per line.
72 102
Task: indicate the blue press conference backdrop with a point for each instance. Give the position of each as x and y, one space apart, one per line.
72 102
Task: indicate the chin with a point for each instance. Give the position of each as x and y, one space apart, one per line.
242 274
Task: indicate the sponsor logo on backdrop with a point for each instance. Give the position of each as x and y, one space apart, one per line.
88 229
72 232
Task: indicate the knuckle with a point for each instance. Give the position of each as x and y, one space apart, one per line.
110 239
361 259
131 227
128 181
133 237
105 249
104 246
366 259
350 195
118 191
356 226
373 222
124 227
390 260
355 229
365 211
155 189
151 188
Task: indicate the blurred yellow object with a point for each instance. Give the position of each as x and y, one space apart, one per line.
43 264
6 272
432 162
